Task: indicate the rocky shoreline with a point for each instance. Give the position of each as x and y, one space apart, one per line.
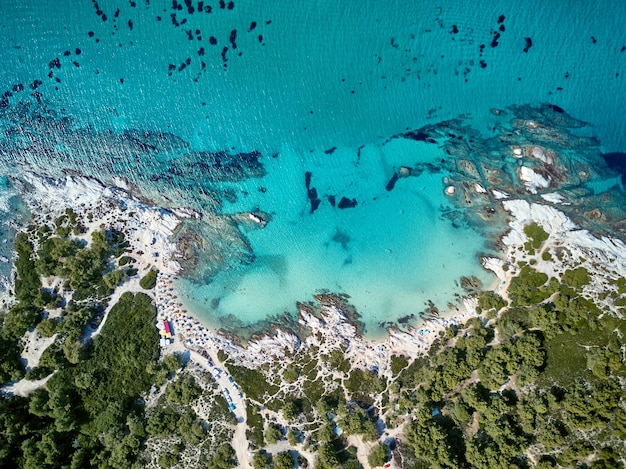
157 237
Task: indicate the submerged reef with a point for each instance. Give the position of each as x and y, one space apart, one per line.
158 165
536 154
530 153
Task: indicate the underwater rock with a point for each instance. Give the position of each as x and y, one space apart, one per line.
392 182
404 172
346 203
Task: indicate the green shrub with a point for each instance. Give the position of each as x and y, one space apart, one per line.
576 278
148 282
536 234
488 300
47 327
378 456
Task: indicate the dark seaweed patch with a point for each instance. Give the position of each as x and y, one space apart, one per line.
616 161
392 182
346 203
529 44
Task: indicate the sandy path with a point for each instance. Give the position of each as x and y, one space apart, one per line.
228 388
25 387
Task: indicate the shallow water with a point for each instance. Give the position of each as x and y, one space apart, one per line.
348 75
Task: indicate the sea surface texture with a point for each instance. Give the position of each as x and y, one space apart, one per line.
306 114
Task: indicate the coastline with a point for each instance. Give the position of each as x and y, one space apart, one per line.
324 330
149 231
529 193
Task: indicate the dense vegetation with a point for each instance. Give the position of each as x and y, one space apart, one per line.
541 385
538 382
91 413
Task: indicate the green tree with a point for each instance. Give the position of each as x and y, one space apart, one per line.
284 460
291 409
47 327
261 460
273 434
148 281
327 457
224 457
378 456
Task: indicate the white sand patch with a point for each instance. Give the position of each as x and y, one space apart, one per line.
553 198
540 154
479 188
532 180
25 387
499 194
34 347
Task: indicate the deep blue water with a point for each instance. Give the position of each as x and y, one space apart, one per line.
294 82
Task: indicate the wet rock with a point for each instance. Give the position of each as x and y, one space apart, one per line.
347 203
556 108
252 26
419 136
392 182
56 63
529 44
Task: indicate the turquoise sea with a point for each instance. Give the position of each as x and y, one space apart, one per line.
315 87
